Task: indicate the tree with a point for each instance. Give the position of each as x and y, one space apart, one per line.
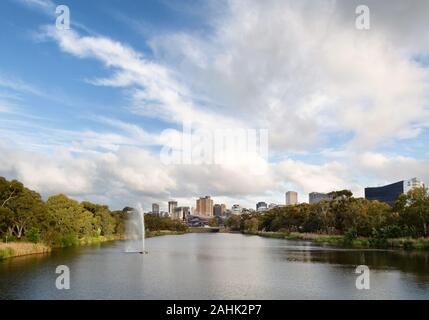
213 222
68 217
251 224
417 209
9 191
26 210
5 221
233 222
341 194
102 217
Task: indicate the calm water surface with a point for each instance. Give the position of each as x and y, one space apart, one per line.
217 266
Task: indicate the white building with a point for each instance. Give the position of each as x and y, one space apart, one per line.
291 198
412 183
236 209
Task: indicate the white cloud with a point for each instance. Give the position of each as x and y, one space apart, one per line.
300 69
306 73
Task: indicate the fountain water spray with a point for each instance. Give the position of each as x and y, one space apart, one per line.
136 231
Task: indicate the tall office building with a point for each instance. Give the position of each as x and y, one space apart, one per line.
181 213
172 205
217 210
155 209
390 193
223 208
204 206
261 206
291 198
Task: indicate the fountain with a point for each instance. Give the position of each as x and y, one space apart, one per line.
135 230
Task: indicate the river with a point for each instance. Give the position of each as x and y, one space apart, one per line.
217 266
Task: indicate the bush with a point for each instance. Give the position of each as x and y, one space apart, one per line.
410 232
68 241
33 235
378 239
8 238
393 231
350 235
6 253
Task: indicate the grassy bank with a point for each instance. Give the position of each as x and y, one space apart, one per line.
157 233
18 249
360 242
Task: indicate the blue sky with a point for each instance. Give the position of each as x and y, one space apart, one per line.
84 111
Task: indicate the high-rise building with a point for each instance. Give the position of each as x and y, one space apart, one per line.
204 206
217 210
390 193
261 206
171 206
236 209
291 198
316 197
181 213
155 209
223 208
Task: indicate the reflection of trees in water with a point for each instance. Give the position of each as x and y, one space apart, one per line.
414 262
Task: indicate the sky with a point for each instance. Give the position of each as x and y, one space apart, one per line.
90 111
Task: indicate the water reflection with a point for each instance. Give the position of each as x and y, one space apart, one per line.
217 266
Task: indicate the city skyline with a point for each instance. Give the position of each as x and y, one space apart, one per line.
385 193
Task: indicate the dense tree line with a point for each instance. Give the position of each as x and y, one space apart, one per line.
154 222
345 215
60 220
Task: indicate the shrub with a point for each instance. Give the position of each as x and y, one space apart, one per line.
350 235
410 232
393 231
8 238
378 239
68 241
33 235
6 253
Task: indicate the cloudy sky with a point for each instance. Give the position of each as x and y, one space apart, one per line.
87 111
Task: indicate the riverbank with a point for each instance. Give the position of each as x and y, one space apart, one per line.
19 249
360 242
157 233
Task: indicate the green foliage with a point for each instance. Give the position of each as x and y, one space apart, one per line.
378 239
33 235
6 253
154 223
67 241
350 236
352 217
233 222
59 221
